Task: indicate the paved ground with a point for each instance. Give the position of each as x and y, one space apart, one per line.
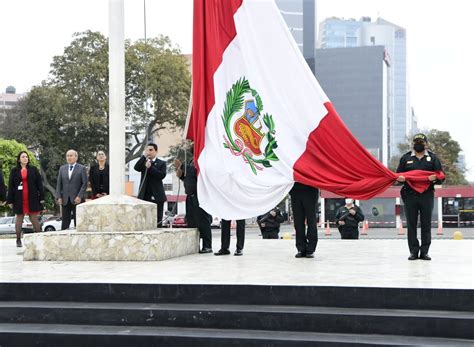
371 262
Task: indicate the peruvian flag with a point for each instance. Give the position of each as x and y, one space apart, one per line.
261 122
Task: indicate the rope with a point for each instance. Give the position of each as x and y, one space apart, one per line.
174 209
145 69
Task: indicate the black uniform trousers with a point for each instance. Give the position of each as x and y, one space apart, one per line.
304 209
269 233
196 217
421 204
349 233
225 234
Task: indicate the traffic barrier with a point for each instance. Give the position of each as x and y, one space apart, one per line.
433 222
365 226
401 231
440 229
328 230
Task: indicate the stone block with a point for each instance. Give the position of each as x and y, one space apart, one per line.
106 246
116 213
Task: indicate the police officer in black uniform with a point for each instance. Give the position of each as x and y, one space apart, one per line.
269 223
419 203
303 203
196 217
348 218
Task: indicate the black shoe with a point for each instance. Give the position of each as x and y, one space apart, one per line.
18 243
222 252
413 257
309 255
205 250
300 255
238 252
425 257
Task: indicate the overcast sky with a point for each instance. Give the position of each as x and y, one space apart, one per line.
439 37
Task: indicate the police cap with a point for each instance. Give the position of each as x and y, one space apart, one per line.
420 137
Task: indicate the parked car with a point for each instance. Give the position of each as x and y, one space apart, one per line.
179 221
168 219
54 223
44 217
7 225
27 226
216 222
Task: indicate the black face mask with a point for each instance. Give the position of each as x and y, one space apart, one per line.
418 147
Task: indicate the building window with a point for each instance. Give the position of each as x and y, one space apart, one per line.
351 41
399 34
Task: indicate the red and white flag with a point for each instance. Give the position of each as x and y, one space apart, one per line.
260 120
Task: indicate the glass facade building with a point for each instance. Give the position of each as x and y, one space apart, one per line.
337 32
300 17
356 80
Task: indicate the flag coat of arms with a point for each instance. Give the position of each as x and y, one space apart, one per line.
260 121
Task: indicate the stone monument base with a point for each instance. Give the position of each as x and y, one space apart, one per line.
116 213
107 246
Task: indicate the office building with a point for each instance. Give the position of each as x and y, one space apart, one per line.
339 32
300 16
356 80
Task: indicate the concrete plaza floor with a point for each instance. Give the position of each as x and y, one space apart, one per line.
365 262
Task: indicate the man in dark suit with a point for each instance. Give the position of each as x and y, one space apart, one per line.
71 186
153 171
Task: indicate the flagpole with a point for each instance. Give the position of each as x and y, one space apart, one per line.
117 212
116 97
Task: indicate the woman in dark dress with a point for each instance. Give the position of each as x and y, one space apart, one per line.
99 176
25 193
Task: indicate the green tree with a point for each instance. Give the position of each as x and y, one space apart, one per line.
158 85
157 82
447 150
9 150
43 128
80 75
182 151
70 110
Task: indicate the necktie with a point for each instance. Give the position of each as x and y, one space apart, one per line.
71 167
